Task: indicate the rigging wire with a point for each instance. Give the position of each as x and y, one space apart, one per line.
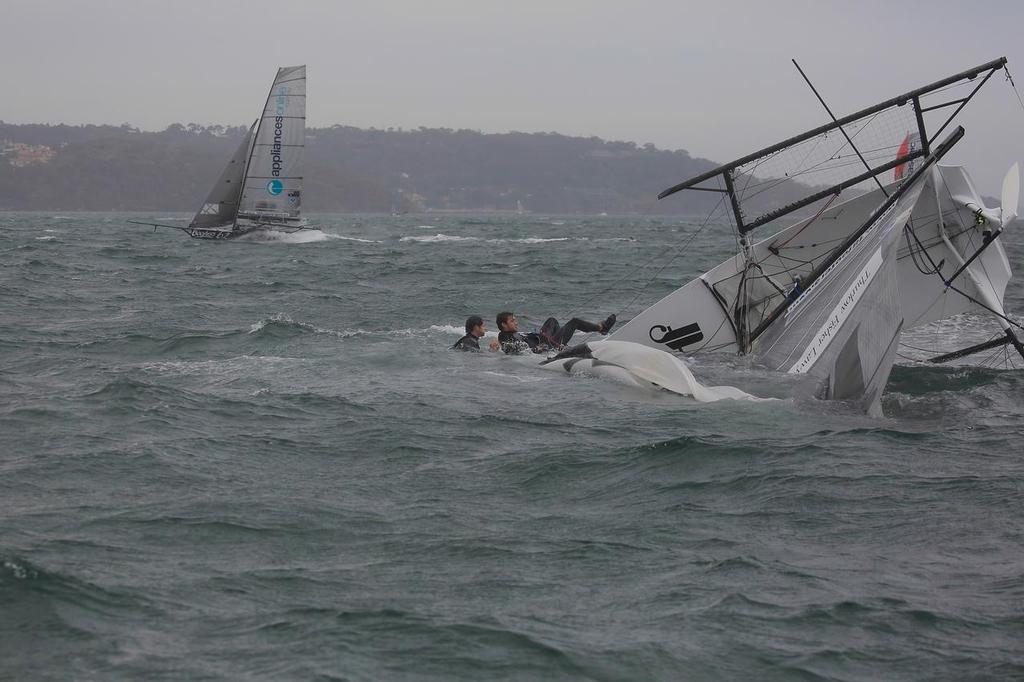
1013 85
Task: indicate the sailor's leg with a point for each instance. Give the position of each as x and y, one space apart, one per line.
574 325
550 331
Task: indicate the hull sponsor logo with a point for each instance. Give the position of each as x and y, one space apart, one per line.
676 339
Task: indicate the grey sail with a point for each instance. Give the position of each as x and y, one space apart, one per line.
844 329
272 187
221 206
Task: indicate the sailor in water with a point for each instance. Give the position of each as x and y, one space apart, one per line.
475 330
551 336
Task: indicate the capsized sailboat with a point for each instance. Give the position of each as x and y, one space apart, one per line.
261 186
946 253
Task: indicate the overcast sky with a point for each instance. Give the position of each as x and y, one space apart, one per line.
714 78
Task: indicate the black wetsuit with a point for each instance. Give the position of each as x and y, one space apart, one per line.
467 342
515 343
552 336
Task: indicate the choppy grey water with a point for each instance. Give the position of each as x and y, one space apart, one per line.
257 460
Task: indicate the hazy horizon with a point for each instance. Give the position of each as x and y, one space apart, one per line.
715 81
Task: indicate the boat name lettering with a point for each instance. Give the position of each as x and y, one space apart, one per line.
839 314
805 295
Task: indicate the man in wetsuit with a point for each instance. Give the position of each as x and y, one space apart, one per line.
551 336
475 331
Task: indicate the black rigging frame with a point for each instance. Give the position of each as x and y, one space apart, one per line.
728 172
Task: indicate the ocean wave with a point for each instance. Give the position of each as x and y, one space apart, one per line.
143 344
17 569
23 582
332 235
207 368
460 330
439 237
285 322
539 240
308 236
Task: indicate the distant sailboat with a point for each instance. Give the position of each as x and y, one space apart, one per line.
261 187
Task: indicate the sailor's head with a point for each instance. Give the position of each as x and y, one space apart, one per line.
475 326
507 322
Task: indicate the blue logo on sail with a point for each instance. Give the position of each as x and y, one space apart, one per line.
275 187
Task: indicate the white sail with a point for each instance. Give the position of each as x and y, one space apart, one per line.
272 190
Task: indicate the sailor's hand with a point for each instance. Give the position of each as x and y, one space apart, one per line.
494 345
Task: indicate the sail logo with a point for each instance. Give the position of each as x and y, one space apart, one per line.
275 148
676 339
275 187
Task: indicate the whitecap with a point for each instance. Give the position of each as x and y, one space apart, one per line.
456 329
282 318
331 235
439 237
273 236
540 240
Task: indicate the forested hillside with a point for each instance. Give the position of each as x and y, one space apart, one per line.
347 169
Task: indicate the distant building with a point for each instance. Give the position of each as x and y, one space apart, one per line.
19 154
